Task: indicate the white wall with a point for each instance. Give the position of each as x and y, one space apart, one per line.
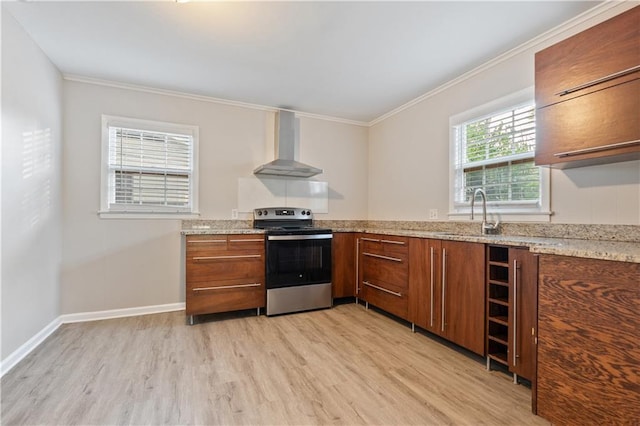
31 176
409 153
120 263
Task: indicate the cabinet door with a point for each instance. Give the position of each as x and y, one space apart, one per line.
588 341
424 283
588 96
344 264
589 56
589 128
523 301
463 295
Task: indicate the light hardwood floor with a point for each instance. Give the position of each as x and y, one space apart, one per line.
345 365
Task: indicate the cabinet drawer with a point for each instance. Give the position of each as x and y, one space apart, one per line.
385 245
201 245
394 272
215 298
206 244
388 297
242 242
588 127
224 267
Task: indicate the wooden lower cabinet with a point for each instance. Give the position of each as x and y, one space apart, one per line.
425 283
512 286
463 294
224 273
344 264
524 312
384 273
588 341
447 290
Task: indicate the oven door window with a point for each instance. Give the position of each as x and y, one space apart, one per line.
298 262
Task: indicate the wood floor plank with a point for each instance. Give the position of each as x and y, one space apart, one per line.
345 365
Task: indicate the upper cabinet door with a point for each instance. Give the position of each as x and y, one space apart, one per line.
588 96
602 56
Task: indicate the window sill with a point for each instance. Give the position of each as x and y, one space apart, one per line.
146 215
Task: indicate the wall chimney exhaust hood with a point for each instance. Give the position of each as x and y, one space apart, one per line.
286 142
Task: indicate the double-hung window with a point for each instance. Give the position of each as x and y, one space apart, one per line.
493 148
148 168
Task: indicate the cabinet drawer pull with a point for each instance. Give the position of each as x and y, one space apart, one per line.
248 240
358 268
401 243
226 287
207 241
598 81
242 256
597 148
367 283
394 259
431 282
444 287
373 240
515 312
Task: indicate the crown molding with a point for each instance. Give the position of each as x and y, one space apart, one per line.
203 98
537 41
534 42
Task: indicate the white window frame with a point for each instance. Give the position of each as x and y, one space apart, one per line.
145 211
523 212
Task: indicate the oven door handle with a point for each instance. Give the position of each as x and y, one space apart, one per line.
299 237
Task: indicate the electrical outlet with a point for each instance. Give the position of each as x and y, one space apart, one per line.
234 213
433 213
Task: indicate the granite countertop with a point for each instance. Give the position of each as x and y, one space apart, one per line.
220 231
621 251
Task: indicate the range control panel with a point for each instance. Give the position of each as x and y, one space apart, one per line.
282 213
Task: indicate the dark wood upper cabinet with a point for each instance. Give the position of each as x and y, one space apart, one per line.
588 95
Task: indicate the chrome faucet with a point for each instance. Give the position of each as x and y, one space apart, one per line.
487 227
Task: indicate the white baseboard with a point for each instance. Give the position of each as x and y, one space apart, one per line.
18 355
120 313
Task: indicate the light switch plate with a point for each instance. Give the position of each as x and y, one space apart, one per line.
234 213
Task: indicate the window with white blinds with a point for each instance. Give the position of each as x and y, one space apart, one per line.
148 167
496 153
493 148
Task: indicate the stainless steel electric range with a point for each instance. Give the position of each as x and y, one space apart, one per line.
298 260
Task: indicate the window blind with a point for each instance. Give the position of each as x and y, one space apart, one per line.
149 169
496 153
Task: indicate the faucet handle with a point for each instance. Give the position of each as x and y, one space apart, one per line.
490 228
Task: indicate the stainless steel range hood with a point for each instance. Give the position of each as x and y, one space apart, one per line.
287 143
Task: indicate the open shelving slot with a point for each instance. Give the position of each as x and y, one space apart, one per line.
498 305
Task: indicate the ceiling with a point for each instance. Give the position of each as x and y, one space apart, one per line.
352 60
